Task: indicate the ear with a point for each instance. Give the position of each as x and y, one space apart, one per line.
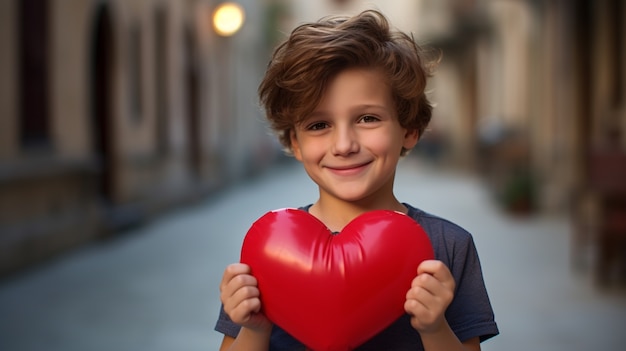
411 136
295 146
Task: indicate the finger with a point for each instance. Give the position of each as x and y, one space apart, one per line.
420 311
243 312
431 267
231 271
240 299
243 304
438 270
416 309
421 316
237 283
430 292
426 282
412 307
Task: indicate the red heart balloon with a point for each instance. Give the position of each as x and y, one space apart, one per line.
334 292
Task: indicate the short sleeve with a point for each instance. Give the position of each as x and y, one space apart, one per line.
225 325
470 314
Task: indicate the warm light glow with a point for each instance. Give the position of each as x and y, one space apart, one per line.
228 18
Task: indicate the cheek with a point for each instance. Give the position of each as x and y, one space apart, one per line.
311 148
385 144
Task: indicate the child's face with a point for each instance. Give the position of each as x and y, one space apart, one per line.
350 145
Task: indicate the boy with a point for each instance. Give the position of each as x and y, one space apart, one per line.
346 97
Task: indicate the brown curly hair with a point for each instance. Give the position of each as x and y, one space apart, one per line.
300 68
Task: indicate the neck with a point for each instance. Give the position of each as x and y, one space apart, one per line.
336 214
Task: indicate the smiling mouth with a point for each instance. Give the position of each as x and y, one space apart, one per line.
348 170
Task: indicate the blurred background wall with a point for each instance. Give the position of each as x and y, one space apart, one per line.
113 111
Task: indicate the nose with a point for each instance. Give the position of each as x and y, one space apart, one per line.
345 141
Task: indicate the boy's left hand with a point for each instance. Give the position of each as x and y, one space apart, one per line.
430 295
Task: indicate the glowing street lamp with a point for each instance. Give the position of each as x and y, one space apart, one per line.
228 18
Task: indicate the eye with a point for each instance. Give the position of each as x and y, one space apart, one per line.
368 119
317 126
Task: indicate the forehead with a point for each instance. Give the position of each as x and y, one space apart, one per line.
356 86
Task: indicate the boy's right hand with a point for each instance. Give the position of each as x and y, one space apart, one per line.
240 296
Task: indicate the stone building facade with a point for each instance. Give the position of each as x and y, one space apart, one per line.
114 110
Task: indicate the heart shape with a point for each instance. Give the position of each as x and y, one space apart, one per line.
334 292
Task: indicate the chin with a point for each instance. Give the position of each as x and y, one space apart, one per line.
353 196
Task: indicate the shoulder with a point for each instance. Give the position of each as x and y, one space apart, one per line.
436 226
305 208
449 240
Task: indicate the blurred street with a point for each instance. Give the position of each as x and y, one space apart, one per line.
156 287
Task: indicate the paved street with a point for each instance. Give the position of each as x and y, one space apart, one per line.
156 287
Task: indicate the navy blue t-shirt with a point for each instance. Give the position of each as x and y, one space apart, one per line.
469 315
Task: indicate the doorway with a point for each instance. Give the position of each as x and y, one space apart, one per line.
101 74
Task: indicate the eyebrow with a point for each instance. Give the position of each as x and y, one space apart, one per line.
323 113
